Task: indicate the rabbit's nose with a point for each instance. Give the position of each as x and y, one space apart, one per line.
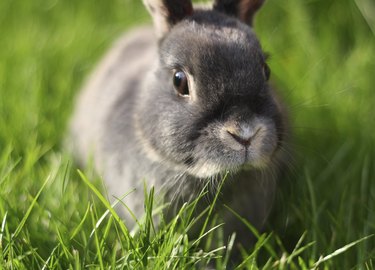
243 135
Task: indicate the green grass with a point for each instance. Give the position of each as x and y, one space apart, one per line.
323 63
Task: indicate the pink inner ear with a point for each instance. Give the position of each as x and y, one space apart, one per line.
188 8
244 10
247 9
166 13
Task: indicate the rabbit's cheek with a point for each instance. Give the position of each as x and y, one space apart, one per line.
263 147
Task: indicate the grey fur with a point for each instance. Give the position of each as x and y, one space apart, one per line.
136 127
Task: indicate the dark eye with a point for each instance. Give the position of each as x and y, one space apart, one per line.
266 71
180 83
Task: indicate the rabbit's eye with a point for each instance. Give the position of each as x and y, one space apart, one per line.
180 83
266 71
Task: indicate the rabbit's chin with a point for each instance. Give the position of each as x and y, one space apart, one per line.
208 169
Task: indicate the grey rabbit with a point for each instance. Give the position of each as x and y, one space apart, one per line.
184 104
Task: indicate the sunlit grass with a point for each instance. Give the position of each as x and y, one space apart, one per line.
52 217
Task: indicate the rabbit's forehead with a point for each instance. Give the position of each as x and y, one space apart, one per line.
196 44
190 32
222 33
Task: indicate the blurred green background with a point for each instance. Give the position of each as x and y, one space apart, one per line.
323 65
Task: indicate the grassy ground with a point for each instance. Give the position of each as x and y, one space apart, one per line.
323 63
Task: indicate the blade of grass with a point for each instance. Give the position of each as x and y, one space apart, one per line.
206 233
66 251
3 228
314 211
80 225
211 208
97 243
45 266
123 229
262 241
77 265
26 216
269 248
340 251
297 249
1 236
228 251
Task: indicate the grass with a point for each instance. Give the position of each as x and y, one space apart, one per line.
52 217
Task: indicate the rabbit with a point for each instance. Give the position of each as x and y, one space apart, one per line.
183 104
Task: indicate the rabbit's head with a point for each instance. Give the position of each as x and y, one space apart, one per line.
206 107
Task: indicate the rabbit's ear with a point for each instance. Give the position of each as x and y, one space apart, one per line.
167 13
242 9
